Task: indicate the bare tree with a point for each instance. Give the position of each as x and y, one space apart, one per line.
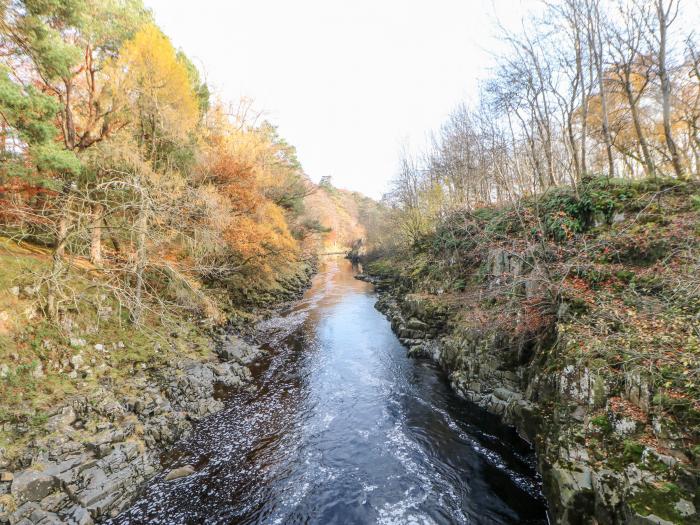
630 63
595 43
666 13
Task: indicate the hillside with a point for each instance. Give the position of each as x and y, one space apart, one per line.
574 316
143 223
341 217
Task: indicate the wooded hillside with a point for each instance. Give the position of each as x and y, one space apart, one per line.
115 151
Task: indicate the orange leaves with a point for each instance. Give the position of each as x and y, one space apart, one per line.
236 166
624 408
576 287
337 210
536 316
262 240
236 181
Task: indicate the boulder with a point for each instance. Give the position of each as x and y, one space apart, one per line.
236 349
77 361
38 371
638 389
63 418
651 519
624 426
31 485
180 472
78 515
684 507
417 324
30 291
77 342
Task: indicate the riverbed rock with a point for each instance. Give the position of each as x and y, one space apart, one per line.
233 348
78 515
98 448
76 476
32 485
179 472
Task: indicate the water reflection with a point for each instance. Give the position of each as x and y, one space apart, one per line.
344 428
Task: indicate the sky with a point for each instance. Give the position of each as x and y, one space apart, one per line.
348 83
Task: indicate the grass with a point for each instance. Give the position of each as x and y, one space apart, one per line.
27 340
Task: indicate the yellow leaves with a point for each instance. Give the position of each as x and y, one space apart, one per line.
155 84
248 148
262 240
237 164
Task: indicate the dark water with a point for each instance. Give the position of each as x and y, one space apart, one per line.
344 428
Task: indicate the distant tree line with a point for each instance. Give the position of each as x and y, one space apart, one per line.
586 88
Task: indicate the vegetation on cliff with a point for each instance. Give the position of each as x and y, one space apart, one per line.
587 305
545 251
342 216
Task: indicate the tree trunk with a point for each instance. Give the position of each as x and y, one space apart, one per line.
646 156
666 90
112 237
585 97
62 234
606 124
596 46
52 293
57 260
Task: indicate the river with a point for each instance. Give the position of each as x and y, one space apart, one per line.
344 428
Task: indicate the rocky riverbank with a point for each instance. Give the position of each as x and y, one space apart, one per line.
587 344
101 447
482 371
120 405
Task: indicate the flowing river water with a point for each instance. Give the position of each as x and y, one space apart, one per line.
344 428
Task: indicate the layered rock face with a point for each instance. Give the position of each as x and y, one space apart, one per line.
575 316
103 447
594 469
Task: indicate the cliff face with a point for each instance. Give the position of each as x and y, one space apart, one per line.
576 319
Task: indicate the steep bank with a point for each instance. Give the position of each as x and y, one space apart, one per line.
89 405
574 317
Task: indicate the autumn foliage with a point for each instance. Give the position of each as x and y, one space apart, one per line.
114 150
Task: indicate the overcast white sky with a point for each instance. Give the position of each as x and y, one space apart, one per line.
347 82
